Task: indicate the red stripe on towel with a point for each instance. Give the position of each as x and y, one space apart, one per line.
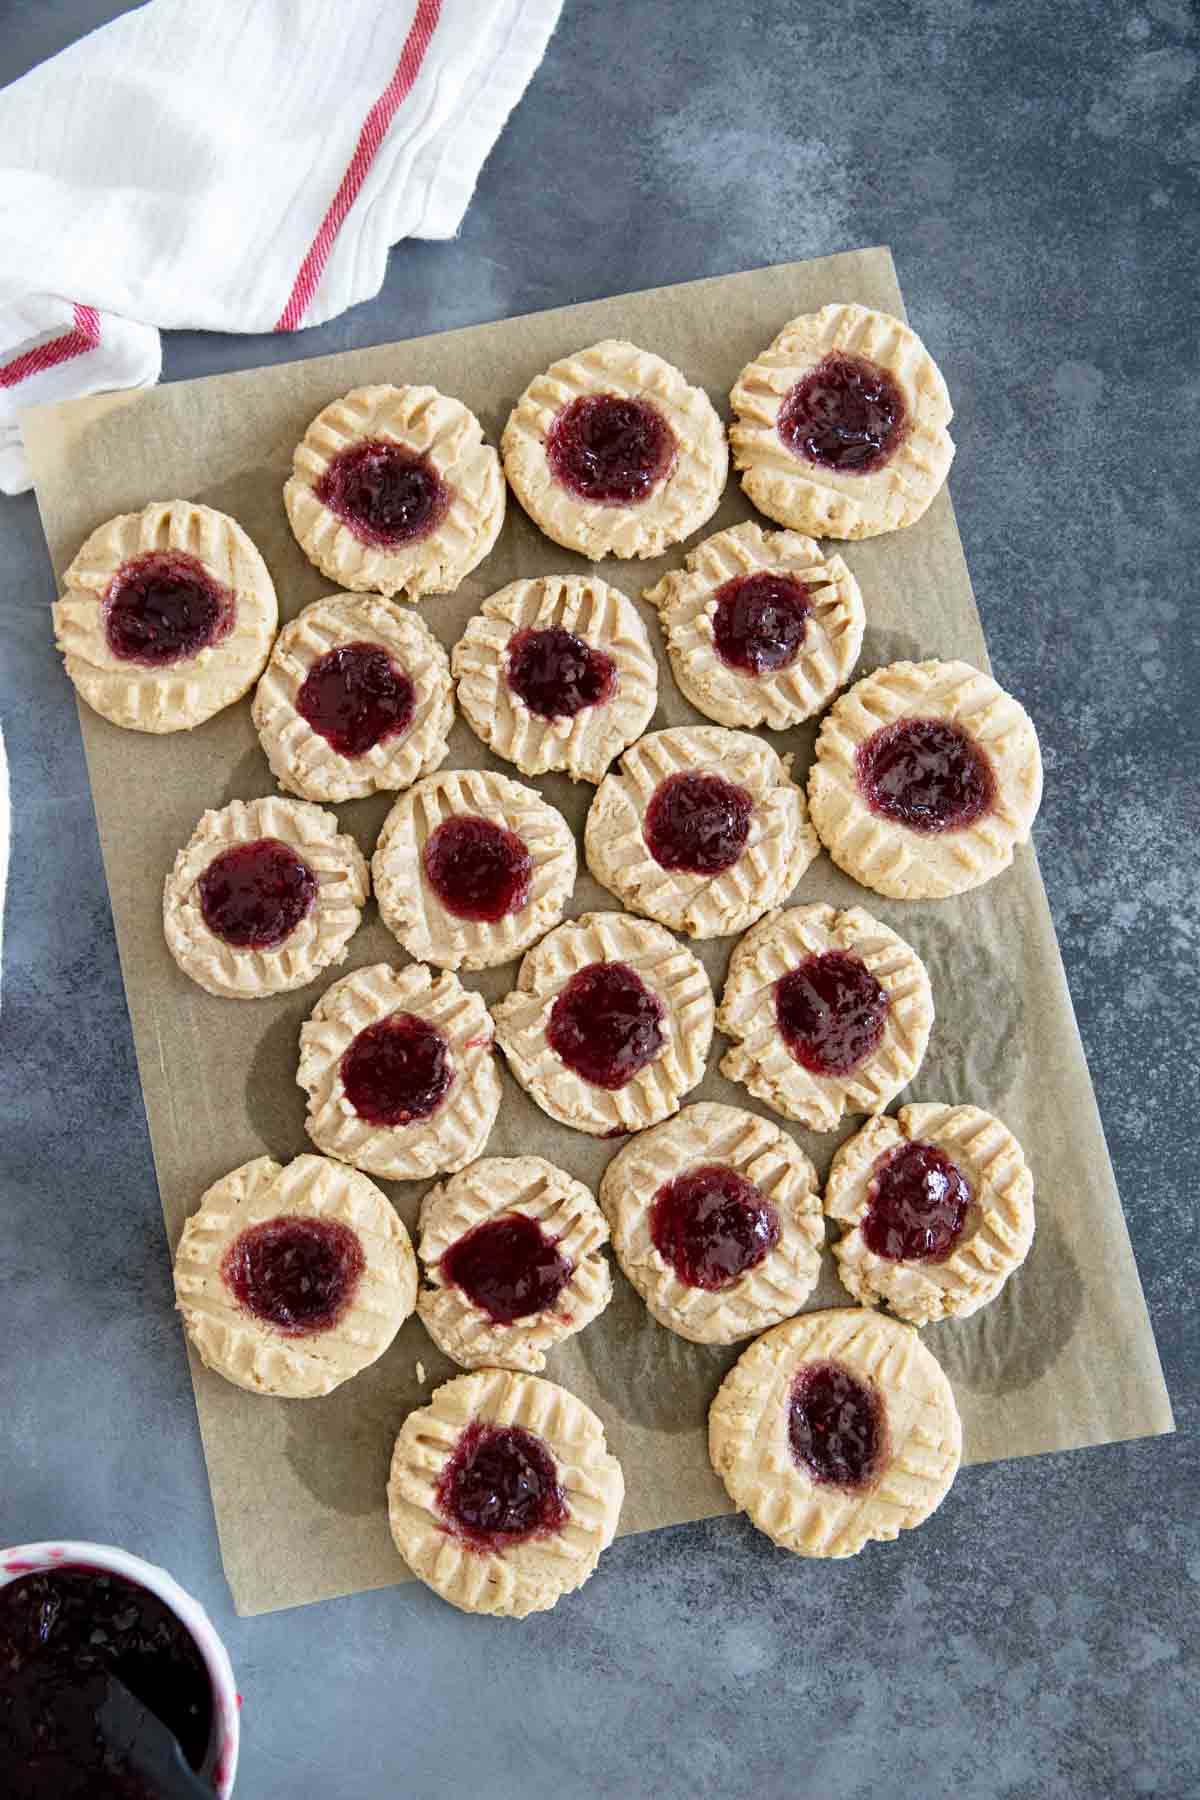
83 336
369 139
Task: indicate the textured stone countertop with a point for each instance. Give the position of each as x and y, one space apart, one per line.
1033 166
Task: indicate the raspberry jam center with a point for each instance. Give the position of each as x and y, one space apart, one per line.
355 697
556 674
397 1071
699 823
500 1487
836 1426
298 1275
254 895
508 1268
606 1024
831 1012
164 607
711 1225
916 1205
761 622
926 774
63 1634
387 495
478 870
610 449
846 414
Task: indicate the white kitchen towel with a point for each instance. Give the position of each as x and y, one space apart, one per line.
234 165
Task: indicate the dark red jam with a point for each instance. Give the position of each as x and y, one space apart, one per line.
711 1225
831 1012
916 1205
397 1071
477 870
926 774
296 1274
164 607
63 1633
556 674
255 895
606 1024
500 1487
846 414
610 449
387 495
761 622
836 1426
355 697
508 1267
699 823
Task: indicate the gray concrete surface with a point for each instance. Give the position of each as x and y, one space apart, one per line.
1033 164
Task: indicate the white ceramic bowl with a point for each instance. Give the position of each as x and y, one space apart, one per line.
33 1559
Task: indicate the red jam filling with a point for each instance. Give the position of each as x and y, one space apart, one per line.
298 1275
255 895
845 414
711 1225
606 1024
916 1205
508 1268
63 1634
836 1426
355 697
831 1012
397 1071
610 449
556 674
699 823
926 774
387 495
500 1487
477 870
164 607
761 622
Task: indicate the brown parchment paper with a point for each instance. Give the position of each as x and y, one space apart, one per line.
1066 1356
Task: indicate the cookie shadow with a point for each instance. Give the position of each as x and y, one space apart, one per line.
648 1374
881 647
340 1447
275 1104
249 779
975 1051
1011 1343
